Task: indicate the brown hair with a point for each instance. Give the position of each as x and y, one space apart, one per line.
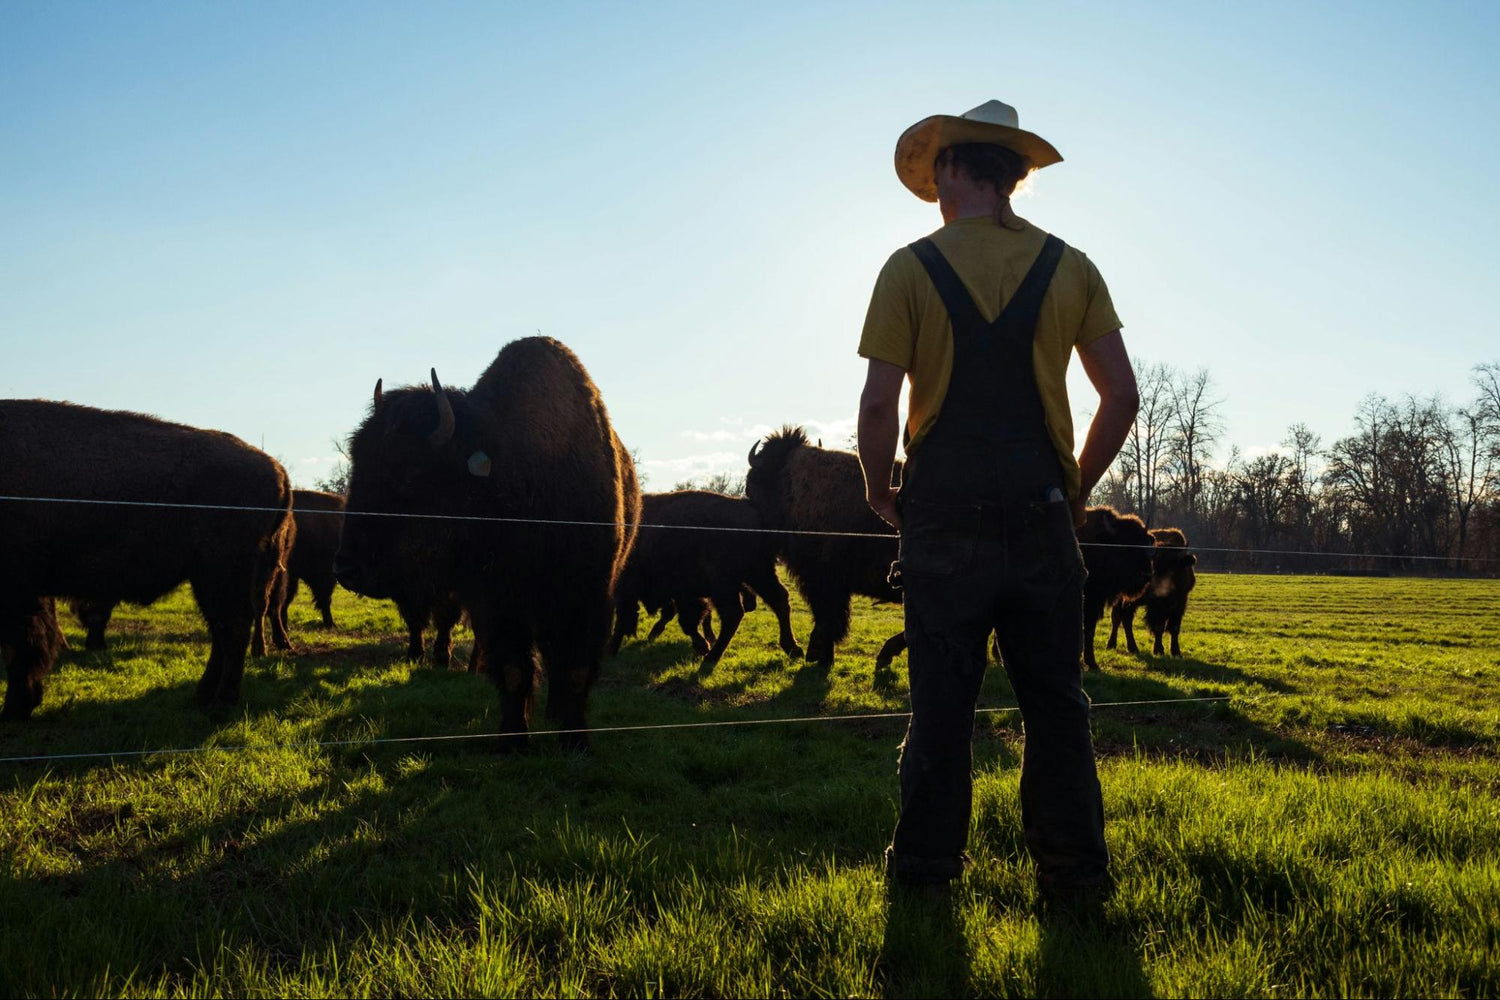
986 163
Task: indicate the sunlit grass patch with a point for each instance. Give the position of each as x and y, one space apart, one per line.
1333 828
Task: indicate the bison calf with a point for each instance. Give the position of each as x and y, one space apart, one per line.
684 556
1117 551
1172 579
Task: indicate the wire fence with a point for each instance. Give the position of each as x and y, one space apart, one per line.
371 741
886 536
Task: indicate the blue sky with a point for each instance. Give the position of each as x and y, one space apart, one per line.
240 216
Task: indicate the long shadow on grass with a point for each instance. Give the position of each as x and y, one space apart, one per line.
1204 731
1083 954
1190 669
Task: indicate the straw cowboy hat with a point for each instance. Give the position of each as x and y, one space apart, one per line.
993 121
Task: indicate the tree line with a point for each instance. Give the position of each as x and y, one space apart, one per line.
1415 488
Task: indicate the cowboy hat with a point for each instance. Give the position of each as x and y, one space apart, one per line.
993 121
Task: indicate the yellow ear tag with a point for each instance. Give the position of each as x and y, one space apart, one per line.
479 464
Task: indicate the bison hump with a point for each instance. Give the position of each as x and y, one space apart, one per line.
541 396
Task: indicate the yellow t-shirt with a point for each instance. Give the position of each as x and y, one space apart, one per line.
908 326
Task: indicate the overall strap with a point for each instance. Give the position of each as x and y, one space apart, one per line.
950 287
1024 306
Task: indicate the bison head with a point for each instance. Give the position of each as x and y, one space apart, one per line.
1172 564
1118 551
413 463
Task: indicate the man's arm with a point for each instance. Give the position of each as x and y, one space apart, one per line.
879 427
1108 368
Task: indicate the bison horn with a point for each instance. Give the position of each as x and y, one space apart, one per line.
444 430
377 394
754 450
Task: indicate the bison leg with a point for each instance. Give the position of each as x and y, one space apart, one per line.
268 593
572 645
414 614
830 611
747 598
444 617
30 639
289 594
1128 614
231 621
628 622
257 638
504 644
731 613
668 613
95 617
1176 626
1093 610
322 595
277 601
691 612
779 601
892 648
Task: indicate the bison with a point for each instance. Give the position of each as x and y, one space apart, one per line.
1172 579
1117 551
673 564
799 487
317 516
129 506
319 519
523 499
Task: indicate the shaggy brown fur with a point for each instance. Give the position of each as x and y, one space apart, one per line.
801 487
681 567
530 440
109 552
1117 550
1172 579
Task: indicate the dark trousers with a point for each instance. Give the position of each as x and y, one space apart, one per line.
1016 570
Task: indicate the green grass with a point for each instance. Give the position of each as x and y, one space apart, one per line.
1331 829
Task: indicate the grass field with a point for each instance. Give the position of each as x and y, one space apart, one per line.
1331 829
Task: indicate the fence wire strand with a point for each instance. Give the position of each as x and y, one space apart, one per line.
456 737
785 532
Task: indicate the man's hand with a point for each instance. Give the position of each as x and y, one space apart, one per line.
1080 512
884 504
878 429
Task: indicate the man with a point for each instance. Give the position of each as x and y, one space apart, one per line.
982 318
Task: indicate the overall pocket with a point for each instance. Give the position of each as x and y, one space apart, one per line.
1047 553
938 539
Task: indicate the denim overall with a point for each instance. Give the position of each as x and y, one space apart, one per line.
987 544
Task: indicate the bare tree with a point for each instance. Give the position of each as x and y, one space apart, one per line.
1470 444
1144 460
1196 427
337 480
